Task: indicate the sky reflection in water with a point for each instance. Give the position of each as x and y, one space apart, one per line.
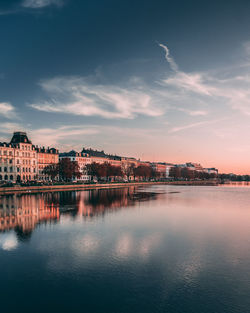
151 249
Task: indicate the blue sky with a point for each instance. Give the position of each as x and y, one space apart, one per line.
158 80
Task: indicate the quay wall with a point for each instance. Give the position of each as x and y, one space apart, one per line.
51 188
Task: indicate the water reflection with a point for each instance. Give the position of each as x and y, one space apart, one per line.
22 213
156 250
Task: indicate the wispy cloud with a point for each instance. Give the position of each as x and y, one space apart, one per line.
193 112
7 110
62 134
37 4
78 97
197 94
193 82
193 125
170 60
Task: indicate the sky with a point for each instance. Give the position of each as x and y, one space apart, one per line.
156 80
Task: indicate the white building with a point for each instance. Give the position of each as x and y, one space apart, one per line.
82 160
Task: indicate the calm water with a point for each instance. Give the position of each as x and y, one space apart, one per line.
152 249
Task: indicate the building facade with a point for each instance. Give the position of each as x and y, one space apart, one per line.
82 160
20 160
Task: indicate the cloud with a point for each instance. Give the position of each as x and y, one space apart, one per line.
191 82
196 94
7 110
170 60
37 4
228 88
59 136
193 112
78 97
193 125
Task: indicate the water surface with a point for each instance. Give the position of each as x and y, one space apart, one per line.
158 248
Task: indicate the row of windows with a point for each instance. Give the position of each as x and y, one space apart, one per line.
24 154
5 152
11 177
6 177
5 169
28 147
5 161
27 170
10 170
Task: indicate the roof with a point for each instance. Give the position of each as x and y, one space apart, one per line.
20 137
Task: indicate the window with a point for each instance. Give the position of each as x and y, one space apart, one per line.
11 169
5 170
11 177
6 177
17 161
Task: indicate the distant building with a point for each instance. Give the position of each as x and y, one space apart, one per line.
211 170
160 168
195 167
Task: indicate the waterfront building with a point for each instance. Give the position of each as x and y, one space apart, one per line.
160 168
82 160
20 160
211 170
169 166
46 157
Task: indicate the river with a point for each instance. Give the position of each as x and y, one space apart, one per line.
162 248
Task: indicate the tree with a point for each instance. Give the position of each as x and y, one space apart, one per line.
116 171
187 173
68 169
51 170
143 171
94 170
128 170
175 172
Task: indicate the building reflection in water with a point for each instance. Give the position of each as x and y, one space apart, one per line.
22 213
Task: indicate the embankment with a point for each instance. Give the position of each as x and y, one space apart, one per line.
76 187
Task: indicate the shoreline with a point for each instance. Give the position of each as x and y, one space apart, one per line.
79 187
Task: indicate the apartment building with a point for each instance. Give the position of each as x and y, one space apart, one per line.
20 160
82 159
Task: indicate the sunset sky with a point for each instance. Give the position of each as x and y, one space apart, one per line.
157 80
